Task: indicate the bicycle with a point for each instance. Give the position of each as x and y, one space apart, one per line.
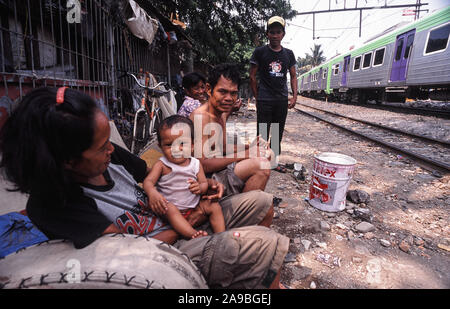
148 116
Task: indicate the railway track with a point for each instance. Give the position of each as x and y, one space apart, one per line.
434 112
440 113
432 154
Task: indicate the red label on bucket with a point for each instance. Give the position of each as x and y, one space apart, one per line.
317 190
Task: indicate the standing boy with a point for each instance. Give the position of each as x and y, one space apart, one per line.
272 62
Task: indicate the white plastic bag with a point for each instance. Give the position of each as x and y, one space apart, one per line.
139 23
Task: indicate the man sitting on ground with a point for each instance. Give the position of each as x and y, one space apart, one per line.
240 169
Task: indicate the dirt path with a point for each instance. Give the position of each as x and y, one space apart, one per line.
408 209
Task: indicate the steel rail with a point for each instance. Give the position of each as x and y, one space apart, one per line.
423 137
440 113
435 165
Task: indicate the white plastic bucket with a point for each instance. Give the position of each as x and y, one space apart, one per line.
330 179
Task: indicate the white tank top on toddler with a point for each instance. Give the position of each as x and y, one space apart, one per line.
174 186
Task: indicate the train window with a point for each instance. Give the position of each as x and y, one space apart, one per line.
336 69
357 63
409 43
367 60
324 74
379 57
438 39
398 54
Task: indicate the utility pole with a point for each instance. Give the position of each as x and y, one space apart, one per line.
417 10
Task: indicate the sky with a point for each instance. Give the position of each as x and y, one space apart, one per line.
338 31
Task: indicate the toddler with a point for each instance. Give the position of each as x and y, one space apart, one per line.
177 181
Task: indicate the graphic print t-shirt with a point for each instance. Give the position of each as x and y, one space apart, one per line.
124 202
273 68
86 215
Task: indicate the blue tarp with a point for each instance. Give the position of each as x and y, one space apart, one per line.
17 232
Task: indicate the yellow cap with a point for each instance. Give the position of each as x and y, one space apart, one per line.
276 19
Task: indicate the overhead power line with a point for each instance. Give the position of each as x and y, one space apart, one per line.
417 5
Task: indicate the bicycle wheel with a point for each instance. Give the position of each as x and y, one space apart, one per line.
157 118
142 127
154 125
141 133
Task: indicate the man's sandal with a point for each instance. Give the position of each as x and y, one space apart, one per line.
280 169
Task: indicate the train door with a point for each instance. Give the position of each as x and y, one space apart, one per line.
319 78
403 48
345 71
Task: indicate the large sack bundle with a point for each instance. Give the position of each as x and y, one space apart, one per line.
112 261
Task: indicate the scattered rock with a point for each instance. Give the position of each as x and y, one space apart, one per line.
365 227
385 243
350 235
444 247
369 235
312 285
409 239
356 260
329 260
404 246
358 196
290 258
322 245
339 237
418 241
341 226
306 243
363 214
324 226
300 172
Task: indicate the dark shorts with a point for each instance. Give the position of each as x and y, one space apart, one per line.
244 256
233 184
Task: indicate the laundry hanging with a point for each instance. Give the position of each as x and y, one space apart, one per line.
139 23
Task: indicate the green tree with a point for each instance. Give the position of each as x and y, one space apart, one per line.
227 30
311 60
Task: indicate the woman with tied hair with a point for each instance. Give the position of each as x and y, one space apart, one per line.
55 147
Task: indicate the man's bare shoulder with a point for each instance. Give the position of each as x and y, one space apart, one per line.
202 114
199 112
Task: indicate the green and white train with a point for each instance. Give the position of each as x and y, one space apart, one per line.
412 61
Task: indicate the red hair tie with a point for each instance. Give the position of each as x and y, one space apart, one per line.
60 95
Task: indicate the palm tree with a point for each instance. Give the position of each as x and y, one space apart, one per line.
316 56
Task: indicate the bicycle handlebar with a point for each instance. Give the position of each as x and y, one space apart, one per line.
153 91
